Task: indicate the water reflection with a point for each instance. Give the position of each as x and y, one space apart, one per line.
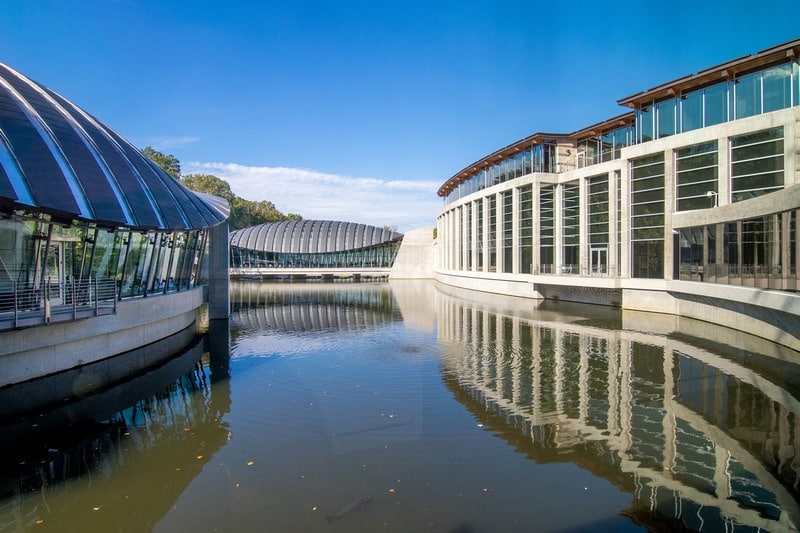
310 307
703 439
119 458
439 409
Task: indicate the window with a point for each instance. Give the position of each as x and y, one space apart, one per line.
756 164
647 216
546 228
570 221
525 229
715 104
666 118
598 220
598 210
644 124
508 232
748 95
696 169
492 234
468 236
777 83
692 111
479 236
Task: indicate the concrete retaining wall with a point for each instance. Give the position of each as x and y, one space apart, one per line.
415 257
40 351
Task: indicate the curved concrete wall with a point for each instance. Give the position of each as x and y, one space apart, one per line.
36 352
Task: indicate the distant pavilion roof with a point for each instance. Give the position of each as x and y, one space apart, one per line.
310 236
57 159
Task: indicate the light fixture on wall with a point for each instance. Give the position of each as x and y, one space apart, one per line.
715 196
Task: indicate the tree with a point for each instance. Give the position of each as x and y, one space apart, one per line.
244 213
168 162
208 183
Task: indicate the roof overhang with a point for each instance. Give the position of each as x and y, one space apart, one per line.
726 71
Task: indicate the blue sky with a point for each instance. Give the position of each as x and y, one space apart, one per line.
359 110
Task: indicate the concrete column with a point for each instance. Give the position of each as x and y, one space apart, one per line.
485 234
558 222
218 280
669 208
723 172
498 232
476 237
583 226
537 229
613 217
515 216
624 261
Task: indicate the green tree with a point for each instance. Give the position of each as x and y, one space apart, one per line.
244 213
168 162
208 183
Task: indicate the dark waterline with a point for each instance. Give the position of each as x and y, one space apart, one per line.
408 407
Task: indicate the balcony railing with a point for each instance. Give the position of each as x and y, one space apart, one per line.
24 305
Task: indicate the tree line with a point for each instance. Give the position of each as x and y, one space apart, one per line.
244 213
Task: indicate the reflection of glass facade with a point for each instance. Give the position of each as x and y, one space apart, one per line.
701 439
713 149
314 244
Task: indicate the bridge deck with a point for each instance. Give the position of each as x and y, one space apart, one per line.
303 273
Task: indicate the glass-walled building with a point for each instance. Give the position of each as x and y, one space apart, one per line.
87 222
312 244
698 182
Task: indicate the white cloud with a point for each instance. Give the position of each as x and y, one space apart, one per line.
165 143
404 204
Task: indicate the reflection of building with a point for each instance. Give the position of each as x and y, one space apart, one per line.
120 438
319 307
695 434
688 204
90 226
312 248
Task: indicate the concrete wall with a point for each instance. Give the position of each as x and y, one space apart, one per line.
416 255
36 352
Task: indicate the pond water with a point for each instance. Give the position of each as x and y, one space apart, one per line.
409 406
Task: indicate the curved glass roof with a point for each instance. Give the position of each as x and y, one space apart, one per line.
310 236
58 159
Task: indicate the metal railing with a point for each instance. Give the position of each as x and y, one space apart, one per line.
24 304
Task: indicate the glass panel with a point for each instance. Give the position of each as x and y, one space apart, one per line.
647 216
692 111
546 228
525 229
644 124
757 165
696 172
508 232
570 221
777 87
492 234
748 95
716 104
666 118
598 210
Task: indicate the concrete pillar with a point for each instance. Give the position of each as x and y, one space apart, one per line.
515 216
218 280
624 261
669 208
558 222
613 217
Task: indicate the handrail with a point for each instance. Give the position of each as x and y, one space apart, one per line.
27 304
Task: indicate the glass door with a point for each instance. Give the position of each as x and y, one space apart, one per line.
599 261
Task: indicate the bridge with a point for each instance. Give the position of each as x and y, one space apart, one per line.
354 273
